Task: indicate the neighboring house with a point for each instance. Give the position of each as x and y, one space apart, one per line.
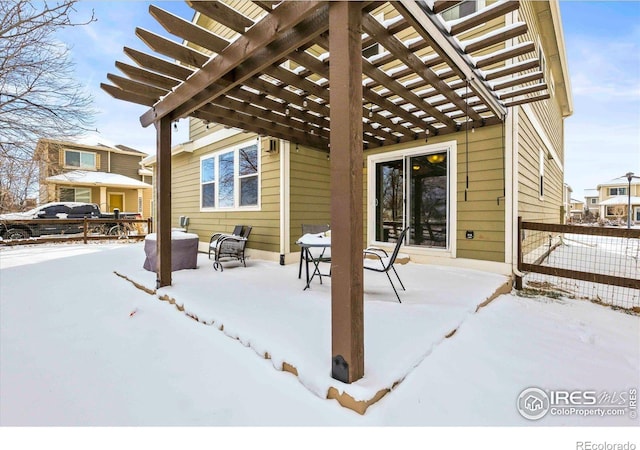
591 198
576 210
461 193
109 176
614 198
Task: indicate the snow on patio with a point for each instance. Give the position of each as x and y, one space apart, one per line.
265 307
80 346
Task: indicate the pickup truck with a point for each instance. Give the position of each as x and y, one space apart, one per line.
24 225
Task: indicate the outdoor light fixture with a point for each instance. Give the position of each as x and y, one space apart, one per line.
435 158
426 132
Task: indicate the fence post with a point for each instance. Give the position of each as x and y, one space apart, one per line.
86 229
519 238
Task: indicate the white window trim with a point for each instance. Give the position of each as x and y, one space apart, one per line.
236 178
95 160
451 148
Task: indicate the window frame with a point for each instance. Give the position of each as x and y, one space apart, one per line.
75 194
215 155
617 189
80 166
450 148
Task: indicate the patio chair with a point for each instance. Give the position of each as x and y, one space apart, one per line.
230 246
213 242
380 261
312 229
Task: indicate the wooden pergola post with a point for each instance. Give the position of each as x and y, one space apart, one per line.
163 201
345 71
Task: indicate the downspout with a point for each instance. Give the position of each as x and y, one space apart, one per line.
285 203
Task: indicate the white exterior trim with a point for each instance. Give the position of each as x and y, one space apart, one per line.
451 147
528 111
285 196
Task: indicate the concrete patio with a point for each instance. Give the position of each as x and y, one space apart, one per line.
264 307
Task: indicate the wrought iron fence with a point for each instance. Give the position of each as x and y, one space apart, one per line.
600 264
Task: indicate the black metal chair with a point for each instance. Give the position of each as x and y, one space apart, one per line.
229 246
374 260
213 242
311 229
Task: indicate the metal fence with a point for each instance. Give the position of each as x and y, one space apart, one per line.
37 231
590 262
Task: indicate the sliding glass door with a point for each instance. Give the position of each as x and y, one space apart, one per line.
413 191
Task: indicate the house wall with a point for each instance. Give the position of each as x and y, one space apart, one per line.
123 164
185 196
549 208
540 128
481 213
310 199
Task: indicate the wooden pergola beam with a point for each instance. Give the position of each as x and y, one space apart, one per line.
171 49
391 43
197 91
158 65
147 77
491 12
428 26
187 30
219 12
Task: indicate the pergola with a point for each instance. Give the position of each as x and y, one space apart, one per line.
336 77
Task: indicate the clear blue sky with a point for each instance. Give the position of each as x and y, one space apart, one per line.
602 138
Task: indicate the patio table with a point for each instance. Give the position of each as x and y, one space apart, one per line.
311 241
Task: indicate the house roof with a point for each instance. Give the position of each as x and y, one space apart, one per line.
265 69
87 178
591 193
619 182
620 200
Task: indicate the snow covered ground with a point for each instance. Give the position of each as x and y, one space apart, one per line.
612 256
80 346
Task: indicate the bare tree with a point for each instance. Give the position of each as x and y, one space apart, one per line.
39 97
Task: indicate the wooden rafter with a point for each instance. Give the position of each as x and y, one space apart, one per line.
257 38
413 88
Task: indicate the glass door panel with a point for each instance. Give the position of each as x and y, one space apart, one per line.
389 200
427 192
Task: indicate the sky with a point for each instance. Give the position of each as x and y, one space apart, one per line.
602 137
121 357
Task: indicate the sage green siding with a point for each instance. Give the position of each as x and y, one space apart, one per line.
185 195
482 212
531 206
310 194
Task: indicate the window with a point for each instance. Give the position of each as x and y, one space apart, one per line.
618 191
413 190
80 160
75 195
541 175
230 178
592 201
462 9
